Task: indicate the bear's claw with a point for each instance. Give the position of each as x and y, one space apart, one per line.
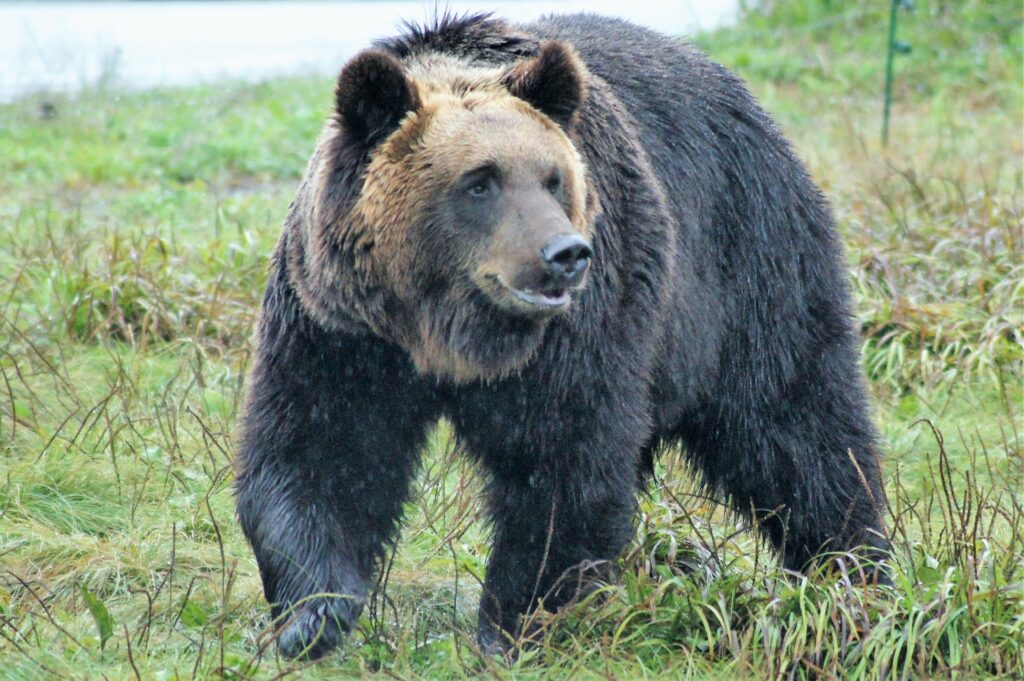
312 633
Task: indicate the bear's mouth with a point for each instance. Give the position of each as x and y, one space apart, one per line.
535 300
554 298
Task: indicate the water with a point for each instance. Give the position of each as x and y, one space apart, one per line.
63 46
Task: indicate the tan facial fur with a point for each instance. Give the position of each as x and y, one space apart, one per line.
467 119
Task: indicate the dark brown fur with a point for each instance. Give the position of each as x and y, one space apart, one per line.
413 280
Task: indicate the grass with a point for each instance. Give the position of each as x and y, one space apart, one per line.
134 235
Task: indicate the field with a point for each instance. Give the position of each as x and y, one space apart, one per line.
135 229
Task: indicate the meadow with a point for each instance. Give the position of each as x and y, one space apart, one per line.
135 230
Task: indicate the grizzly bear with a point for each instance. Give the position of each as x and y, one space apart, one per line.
581 242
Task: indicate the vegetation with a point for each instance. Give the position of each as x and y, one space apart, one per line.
134 235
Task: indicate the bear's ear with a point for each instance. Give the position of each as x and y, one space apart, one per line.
553 82
372 97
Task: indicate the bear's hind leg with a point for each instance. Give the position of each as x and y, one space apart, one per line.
803 461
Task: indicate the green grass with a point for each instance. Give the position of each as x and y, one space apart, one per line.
134 235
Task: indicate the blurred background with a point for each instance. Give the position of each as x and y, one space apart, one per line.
67 45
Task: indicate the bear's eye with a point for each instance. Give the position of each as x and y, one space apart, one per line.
479 189
554 182
481 183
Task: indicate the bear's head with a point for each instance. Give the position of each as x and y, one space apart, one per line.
447 208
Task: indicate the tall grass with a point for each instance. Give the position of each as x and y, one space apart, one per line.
134 232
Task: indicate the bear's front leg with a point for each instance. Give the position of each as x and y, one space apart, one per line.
329 441
556 536
561 492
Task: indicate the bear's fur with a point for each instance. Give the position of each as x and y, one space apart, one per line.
715 315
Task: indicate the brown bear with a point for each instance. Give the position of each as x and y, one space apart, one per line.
581 242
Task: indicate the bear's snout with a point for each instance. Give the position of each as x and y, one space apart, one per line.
535 257
539 280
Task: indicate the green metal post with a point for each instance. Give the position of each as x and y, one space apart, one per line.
888 71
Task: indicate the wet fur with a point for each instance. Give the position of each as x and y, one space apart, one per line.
716 316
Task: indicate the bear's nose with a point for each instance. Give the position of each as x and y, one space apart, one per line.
567 257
